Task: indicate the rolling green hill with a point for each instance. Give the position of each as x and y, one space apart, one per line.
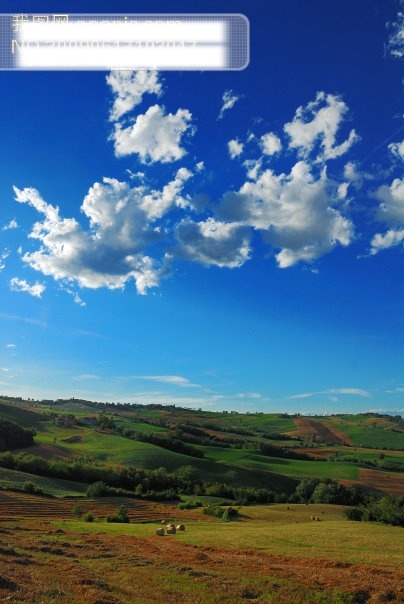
245 451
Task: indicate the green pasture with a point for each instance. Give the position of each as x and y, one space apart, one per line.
13 479
368 431
278 530
22 417
292 468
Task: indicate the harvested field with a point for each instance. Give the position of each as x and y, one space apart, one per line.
375 480
321 431
22 505
41 562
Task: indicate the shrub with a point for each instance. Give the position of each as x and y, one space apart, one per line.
89 517
77 511
121 516
31 487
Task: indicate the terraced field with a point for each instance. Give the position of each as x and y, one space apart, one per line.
22 506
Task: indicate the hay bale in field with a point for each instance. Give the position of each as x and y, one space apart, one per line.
171 530
160 532
180 527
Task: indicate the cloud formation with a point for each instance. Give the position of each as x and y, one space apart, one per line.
20 285
155 136
314 128
293 211
301 211
229 99
122 226
128 88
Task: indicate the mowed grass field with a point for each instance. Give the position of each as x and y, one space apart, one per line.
273 553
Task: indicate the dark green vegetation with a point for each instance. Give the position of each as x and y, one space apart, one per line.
166 453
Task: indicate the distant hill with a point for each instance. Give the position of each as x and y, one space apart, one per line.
271 452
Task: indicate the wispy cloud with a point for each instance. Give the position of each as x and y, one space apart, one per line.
21 285
333 391
174 380
229 99
11 225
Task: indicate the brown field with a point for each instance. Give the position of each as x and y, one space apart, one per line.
41 562
375 480
324 432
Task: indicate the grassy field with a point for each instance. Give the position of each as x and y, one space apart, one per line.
273 554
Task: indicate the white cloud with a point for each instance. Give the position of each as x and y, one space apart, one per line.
396 41
114 249
3 256
317 124
294 212
174 380
229 100
235 148
154 136
397 149
391 209
212 242
344 391
11 225
129 87
270 143
391 238
20 285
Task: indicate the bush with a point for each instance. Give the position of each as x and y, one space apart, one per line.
31 487
77 511
98 489
121 516
89 517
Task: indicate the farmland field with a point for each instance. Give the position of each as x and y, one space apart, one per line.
274 554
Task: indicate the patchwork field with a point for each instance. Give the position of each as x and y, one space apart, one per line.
271 554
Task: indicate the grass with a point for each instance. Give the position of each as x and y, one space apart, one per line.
273 554
278 530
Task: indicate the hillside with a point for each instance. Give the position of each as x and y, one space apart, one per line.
167 448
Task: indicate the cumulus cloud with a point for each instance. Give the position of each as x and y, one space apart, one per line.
270 143
229 99
128 88
20 285
115 247
315 127
390 239
391 209
212 242
235 148
155 136
294 212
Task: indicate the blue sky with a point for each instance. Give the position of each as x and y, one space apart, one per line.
217 240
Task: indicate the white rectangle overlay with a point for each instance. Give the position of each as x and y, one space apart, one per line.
105 42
